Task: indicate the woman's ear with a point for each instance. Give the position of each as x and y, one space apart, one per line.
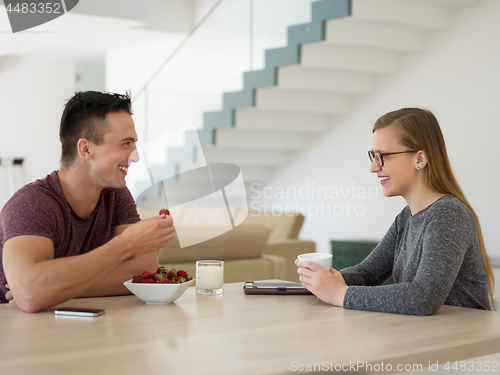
84 148
421 160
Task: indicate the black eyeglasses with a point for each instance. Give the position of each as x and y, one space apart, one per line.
379 157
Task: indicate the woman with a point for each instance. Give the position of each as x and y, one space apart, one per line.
434 249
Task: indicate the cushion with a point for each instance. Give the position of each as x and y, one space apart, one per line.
283 226
243 242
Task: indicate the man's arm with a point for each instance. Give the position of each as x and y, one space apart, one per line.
38 281
111 284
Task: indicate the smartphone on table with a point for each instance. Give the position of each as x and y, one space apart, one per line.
79 311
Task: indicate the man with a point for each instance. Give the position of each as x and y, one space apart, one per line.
77 233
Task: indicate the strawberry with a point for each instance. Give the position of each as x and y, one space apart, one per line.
171 274
137 279
175 279
164 211
162 276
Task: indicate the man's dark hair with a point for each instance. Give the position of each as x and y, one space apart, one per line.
84 117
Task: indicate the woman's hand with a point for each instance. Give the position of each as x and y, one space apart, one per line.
329 286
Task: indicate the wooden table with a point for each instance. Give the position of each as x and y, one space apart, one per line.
236 334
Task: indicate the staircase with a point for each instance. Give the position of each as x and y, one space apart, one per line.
338 56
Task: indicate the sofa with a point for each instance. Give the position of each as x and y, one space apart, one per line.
262 246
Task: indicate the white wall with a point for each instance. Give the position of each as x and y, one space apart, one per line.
90 76
32 95
458 78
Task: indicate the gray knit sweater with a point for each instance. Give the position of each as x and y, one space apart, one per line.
434 257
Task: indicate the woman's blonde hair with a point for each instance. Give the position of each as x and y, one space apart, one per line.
419 130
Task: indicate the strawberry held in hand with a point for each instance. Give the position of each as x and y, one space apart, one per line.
164 211
162 276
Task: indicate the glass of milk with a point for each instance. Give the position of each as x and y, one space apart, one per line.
209 276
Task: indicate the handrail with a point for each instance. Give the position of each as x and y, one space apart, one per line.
178 48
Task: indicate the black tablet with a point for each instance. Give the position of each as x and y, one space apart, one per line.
278 287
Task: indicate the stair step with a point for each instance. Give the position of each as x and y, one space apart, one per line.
321 79
449 3
351 32
261 139
245 157
405 14
250 173
252 118
256 174
285 107
325 55
302 100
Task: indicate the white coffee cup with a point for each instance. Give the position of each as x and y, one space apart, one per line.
323 259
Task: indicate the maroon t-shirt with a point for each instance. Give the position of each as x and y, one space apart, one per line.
41 209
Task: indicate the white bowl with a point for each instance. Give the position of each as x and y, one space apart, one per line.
157 294
323 259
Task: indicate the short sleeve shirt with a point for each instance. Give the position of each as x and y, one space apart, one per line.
41 209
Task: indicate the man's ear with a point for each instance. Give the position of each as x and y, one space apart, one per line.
84 147
421 161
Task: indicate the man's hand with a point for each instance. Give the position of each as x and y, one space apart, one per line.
327 285
148 235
